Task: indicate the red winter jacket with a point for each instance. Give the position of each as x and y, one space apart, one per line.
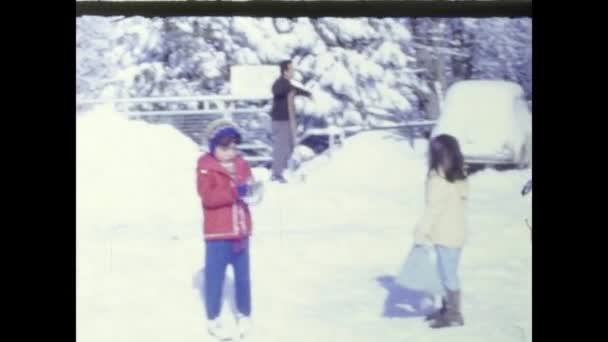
226 216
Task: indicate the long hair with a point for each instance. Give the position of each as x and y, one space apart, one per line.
445 157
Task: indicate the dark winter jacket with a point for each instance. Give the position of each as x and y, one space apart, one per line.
280 89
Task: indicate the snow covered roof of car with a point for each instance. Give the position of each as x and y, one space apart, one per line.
485 113
491 92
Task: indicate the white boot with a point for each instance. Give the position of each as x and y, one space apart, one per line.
244 325
218 330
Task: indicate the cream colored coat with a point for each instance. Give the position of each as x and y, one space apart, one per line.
444 218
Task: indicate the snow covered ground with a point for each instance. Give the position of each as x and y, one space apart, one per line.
324 252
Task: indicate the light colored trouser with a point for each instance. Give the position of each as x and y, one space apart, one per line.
282 146
447 265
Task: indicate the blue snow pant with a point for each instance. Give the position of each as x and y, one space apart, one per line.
218 255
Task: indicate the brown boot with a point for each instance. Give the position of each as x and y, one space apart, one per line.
435 315
452 316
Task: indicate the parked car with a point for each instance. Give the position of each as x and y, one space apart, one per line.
491 120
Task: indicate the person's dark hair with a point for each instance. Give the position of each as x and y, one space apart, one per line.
445 155
229 139
284 65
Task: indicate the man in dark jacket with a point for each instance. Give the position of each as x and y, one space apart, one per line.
283 119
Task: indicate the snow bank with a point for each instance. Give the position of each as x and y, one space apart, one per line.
130 173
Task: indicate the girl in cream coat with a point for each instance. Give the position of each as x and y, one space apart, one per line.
443 224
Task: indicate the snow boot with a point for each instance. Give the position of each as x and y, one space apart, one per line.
243 325
217 330
436 314
452 317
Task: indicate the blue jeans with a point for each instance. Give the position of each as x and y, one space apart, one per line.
447 264
218 255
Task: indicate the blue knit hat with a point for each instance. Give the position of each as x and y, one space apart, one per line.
220 129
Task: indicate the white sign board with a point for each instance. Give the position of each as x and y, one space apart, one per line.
253 80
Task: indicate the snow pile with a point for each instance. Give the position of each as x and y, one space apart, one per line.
367 164
137 212
130 173
374 159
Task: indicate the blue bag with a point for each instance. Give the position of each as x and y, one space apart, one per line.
419 272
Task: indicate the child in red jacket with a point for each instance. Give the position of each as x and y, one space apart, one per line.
223 180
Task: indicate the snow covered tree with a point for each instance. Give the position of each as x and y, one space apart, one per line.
361 70
449 50
111 52
502 49
433 46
